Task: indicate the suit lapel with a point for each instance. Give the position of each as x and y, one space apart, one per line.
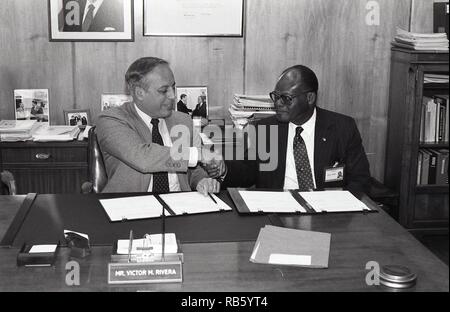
323 144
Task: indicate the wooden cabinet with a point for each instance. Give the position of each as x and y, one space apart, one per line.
420 206
50 167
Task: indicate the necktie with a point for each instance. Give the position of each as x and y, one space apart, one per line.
160 179
302 166
89 17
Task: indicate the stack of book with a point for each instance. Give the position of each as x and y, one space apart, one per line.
250 108
434 119
420 42
17 130
432 167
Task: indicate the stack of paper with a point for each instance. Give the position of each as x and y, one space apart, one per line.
247 108
46 133
333 201
435 78
421 42
282 246
170 244
17 130
193 202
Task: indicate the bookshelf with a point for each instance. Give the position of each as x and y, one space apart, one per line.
421 207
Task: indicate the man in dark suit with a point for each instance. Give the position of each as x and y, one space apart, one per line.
181 105
200 108
317 148
92 16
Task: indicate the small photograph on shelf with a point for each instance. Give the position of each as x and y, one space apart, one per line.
32 104
77 117
193 101
114 100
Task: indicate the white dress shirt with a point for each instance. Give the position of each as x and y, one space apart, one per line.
174 184
96 3
309 127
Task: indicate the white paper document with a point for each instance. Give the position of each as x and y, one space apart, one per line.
170 244
129 208
43 248
270 201
193 202
333 201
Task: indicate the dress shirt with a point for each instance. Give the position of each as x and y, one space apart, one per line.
309 127
174 185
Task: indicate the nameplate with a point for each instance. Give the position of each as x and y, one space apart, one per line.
145 272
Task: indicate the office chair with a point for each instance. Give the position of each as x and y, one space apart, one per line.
7 184
97 170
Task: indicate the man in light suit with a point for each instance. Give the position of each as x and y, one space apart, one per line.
92 16
137 141
317 148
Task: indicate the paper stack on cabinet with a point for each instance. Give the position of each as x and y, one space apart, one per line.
17 130
420 42
47 133
283 246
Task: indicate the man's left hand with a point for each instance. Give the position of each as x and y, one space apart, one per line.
208 185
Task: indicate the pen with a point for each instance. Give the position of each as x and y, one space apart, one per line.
130 245
163 233
335 164
212 198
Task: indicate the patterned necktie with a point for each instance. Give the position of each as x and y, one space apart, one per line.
89 17
160 179
302 166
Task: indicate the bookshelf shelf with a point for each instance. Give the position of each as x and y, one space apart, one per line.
434 145
419 206
432 189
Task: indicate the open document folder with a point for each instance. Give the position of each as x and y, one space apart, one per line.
254 201
282 246
148 206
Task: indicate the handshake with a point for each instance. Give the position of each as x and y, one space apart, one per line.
214 165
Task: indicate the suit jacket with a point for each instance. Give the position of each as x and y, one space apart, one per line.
336 138
200 110
181 107
109 16
130 156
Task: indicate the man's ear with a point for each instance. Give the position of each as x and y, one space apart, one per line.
311 97
139 93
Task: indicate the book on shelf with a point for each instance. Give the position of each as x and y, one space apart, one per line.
435 78
425 167
434 119
443 102
419 167
442 167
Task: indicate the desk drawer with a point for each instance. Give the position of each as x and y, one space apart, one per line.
36 155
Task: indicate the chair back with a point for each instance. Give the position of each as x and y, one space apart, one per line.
97 170
7 183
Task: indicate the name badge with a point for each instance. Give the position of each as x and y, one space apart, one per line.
333 174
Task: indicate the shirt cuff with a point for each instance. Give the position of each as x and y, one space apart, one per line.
193 157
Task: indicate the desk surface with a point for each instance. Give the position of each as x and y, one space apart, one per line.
355 239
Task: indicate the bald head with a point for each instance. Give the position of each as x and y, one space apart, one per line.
295 94
301 78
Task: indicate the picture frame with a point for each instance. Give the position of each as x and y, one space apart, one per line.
110 100
200 18
77 117
69 20
190 104
32 104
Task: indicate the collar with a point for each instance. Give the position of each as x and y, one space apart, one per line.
146 118
308 127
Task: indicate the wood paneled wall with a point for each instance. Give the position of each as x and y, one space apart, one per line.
350 58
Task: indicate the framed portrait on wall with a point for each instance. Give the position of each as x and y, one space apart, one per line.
113 100
194 18
193 101
77 117
32 104
90 20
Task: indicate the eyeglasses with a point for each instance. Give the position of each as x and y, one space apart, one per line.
286 98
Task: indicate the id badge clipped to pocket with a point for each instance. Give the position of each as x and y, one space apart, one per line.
334 176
